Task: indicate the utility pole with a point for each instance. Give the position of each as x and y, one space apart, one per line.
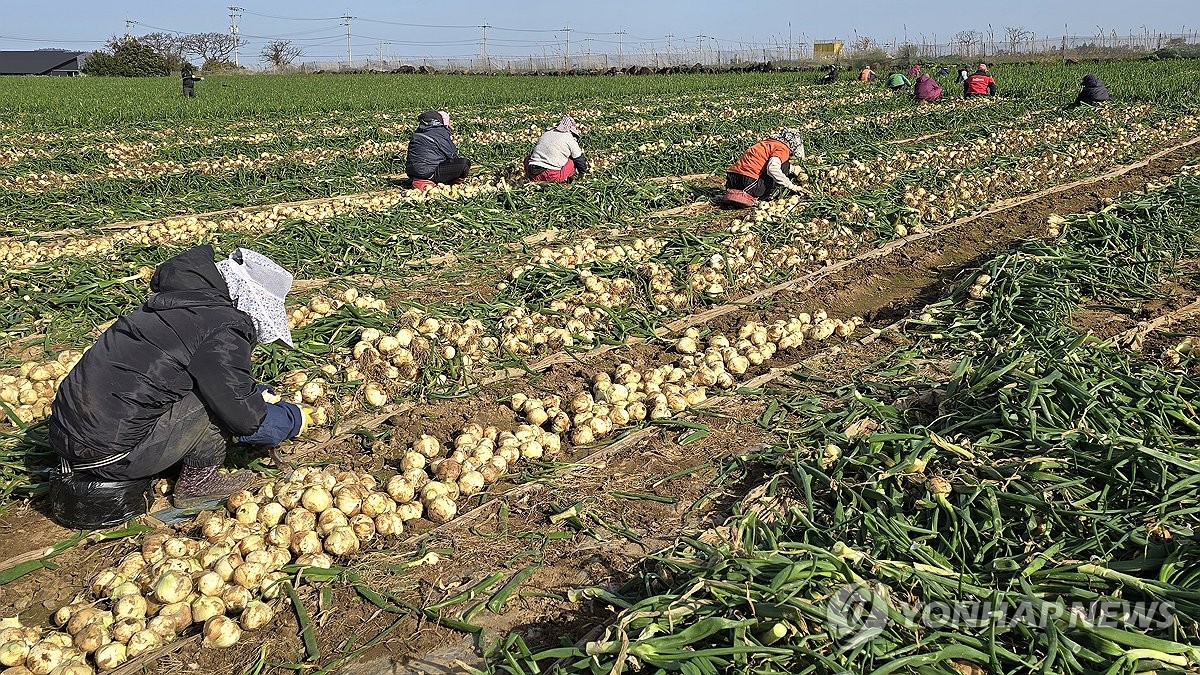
621 51
568 31
381 54
483 54
234 13
349 45
128 28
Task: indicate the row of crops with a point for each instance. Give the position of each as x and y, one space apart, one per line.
994 455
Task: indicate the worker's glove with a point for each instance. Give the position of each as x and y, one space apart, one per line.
306 418
268 394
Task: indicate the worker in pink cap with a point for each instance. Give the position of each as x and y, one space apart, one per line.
432 156
979 84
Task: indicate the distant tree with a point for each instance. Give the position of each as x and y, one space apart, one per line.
908 54
862 44
215 47
169 45
968 39
127 57
280 53
1015 35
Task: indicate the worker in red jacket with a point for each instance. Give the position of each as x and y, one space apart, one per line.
979 84
764 168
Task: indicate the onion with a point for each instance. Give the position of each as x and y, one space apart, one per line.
428 446
227 564
280 557
179 614
289 497
85 617
448 470
330 519
341 541
412 460
221 632
316 499
14 653
238 499
62 640
214 553
301 520
127 588
377 503
305 542
163 627
257 615
110 656
433 490
236 598
442 509
389 524
43 658
315 560
255 542
141 642
247 513
280 535
130 607
172 587
91 638
417 477
175 547
123 629
401 489
374 396
249 575
271 514
364 526
206 607
409 511
348 500
76 668
471 483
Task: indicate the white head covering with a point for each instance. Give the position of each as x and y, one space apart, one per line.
258 287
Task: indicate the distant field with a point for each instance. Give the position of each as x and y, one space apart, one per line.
620 426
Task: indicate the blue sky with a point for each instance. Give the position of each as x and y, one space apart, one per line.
87 23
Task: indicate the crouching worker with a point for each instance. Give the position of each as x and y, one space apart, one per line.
557 157
432 155
979 84
764 168
927 90
1094 92
171 384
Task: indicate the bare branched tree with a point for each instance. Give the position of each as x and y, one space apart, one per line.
280 53
968 39
216 47
169 45
1015 35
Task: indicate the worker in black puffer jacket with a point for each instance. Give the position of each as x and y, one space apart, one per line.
1094 92
432 155
171 382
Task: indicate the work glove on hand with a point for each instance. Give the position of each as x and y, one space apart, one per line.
268 393
306 418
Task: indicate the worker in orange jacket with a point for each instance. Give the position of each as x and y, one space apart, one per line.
764 168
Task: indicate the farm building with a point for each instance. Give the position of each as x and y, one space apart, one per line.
827 50
41 62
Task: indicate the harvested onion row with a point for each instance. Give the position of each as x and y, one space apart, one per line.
628 395
225 577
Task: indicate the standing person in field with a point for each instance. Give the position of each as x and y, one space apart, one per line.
897 81
432 156
763 168
927 90
189 80
557 157
172 383
979 84
1094 92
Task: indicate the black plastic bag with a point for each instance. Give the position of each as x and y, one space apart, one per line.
85 502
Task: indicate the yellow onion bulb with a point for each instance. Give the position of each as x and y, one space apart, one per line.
221 632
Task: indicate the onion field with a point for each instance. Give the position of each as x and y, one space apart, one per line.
935 414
